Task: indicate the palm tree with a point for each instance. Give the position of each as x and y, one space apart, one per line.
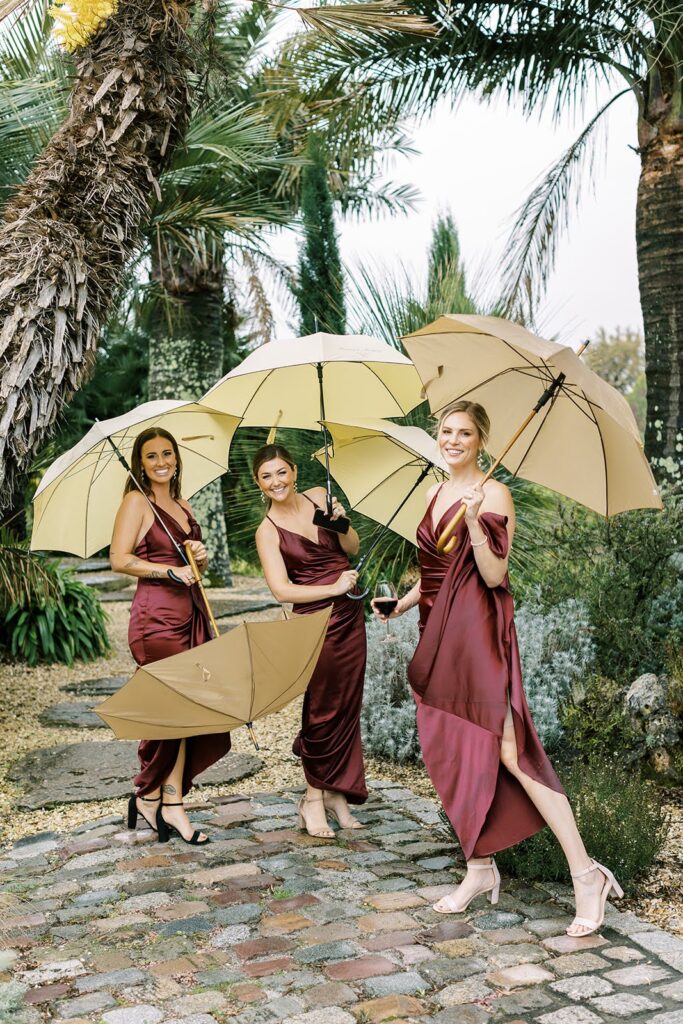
549 53
77 222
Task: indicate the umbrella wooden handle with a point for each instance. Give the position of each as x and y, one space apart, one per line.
446 543
197 575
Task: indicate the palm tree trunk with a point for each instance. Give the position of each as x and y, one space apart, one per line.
73 227
659 238
185 358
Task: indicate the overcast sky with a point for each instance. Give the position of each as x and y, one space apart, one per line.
480 162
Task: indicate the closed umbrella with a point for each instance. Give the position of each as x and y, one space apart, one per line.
553 420
252 671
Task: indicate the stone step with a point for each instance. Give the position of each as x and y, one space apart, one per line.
104 580
80 565
104 686
72 715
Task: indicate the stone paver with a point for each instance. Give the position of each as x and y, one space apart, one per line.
269 926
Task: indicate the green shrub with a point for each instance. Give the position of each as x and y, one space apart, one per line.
388 712
597 724
619 816
629 573
67 625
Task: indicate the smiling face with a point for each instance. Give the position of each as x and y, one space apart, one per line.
276 479
459 440
158 460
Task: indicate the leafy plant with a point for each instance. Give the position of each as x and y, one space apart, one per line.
557 651
68 624
596 722
620 818
24 576
388 713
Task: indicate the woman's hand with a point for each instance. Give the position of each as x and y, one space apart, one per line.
472 499
345 583
200 553
394 615
184 573
338 510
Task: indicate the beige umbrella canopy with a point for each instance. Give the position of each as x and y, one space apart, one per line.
250 672
75 504
583 442
298 382
385 470
279 384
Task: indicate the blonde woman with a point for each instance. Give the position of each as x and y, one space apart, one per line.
478 739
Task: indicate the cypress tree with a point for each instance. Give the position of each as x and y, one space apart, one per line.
320 286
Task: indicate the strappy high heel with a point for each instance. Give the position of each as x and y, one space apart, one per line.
165 829
493 891
134 811
610 885
324 833
331 811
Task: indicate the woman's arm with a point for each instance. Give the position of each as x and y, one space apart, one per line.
350 542
131 521
496 498
275 571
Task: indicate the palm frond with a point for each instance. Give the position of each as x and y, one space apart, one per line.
23 576
529 257
371 19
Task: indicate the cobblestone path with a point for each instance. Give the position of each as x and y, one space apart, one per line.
267 925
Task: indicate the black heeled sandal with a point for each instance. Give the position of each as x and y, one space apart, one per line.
134 811
164 829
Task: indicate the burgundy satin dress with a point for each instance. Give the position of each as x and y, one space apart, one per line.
329 743
465 670
167 618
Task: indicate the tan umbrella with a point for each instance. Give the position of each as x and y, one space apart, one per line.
553 420
250 672
385 470
300 381
76 502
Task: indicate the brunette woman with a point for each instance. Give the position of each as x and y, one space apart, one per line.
478 740
167 616
309 566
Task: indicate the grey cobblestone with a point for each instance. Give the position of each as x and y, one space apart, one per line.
624 1004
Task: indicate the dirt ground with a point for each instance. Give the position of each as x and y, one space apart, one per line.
29 691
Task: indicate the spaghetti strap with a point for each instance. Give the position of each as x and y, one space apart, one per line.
310 499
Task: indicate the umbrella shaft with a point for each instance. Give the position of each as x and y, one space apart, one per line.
326 440
425 471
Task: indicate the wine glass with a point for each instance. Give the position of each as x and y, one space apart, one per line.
386 600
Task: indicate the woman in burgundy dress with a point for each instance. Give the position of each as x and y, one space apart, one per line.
478 740
166 617
309 566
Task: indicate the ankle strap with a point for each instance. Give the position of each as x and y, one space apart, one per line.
481 867
164 804
586 871
149 799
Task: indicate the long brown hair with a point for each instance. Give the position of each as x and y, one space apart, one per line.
137 468
265 454
477 413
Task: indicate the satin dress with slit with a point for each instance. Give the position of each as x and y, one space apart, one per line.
167 618
465 673
329 743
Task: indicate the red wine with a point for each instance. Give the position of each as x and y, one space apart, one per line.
385 605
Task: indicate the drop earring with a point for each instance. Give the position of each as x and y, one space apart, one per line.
480 458
263 498
296 486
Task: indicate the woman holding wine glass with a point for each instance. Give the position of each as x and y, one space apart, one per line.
309 566
478 739
385 601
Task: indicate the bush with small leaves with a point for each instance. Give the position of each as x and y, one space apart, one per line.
557 652
388 714
620 818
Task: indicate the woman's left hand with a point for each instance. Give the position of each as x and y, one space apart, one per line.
472 499
338 510
200 553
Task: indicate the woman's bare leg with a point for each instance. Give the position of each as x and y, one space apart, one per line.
313 812
338 803
555 809
172 790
